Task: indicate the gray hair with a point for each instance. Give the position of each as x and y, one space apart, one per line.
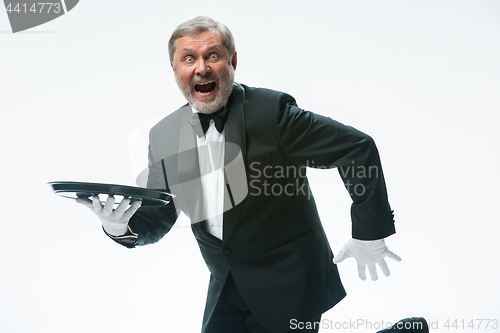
198 25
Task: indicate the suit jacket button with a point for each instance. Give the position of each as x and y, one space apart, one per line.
227 252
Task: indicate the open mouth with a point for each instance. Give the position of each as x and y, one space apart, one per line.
205 88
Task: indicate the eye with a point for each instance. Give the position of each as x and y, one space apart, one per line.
213 56
188 59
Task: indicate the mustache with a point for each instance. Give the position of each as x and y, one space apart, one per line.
201 78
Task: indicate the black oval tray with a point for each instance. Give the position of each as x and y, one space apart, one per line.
148 196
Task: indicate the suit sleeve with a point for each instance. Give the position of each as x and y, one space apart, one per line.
313 140
151 223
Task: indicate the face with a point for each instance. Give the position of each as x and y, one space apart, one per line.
204 70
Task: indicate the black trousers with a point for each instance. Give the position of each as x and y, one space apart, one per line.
231 314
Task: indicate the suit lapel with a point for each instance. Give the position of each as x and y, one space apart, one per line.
187 147
188 170
235 134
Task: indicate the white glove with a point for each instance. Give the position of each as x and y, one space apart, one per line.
367 253
114 221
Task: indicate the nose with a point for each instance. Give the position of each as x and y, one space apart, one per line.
201 67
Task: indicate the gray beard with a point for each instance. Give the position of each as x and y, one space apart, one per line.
225 89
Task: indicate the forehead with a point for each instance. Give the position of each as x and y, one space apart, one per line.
199 42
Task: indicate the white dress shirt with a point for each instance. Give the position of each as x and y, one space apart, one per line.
211 162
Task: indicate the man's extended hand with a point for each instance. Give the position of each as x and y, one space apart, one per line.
367 253
114 221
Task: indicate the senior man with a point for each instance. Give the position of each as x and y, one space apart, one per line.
260 234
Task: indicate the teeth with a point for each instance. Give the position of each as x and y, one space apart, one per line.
202 84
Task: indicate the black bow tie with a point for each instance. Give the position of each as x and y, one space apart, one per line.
201 121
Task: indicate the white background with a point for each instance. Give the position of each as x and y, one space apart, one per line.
421 77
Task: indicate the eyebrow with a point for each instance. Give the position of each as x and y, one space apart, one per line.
209 49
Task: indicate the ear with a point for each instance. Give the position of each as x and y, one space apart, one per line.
234 61
172 65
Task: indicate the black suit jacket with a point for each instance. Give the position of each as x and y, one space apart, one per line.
273 241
